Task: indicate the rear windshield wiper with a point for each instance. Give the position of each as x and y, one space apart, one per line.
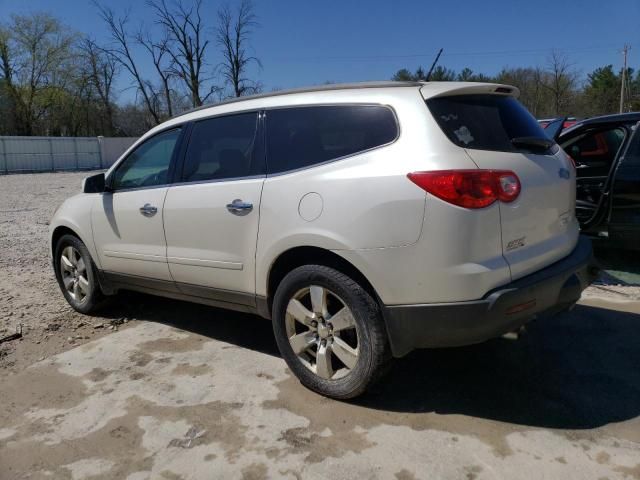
534 144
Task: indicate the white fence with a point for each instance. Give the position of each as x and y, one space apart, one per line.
51 154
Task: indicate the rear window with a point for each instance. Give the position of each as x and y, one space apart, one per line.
484 122
304 136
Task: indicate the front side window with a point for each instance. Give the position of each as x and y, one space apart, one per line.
304 136
594 152
148 165
222 148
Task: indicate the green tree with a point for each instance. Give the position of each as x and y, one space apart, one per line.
602 91
438 74
442 74
403 75
34 51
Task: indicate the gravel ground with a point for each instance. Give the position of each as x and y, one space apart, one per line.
30 295
29 292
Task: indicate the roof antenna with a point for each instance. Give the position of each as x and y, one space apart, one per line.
433 65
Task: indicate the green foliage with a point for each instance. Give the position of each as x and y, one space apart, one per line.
602 91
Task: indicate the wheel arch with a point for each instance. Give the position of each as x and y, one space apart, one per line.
59 232
311 255
63 229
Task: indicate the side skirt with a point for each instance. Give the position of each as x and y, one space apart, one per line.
111 282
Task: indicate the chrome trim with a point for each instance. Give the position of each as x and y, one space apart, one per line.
239 207
148 210
135 256
197 262
218 180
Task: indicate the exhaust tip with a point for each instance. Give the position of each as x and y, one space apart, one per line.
515 334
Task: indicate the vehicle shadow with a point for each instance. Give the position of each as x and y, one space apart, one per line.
579 370
241 329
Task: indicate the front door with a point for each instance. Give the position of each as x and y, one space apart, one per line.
624 220
127 221
211 215
594 152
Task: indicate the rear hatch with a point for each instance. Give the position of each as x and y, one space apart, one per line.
498 133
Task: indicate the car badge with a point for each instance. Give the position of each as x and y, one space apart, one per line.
564 173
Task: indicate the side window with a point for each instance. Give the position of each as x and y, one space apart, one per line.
305 136
148 165
594 152
632 155
222 147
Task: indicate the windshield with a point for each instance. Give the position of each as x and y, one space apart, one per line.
484 122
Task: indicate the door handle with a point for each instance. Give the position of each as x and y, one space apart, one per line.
148 210
238 207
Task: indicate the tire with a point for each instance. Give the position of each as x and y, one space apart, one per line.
321 360
78 278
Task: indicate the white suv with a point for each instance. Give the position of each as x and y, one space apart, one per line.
364 220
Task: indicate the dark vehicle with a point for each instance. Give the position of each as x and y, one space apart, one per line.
606 154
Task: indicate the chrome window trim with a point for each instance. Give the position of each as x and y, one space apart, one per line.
264 113
217 180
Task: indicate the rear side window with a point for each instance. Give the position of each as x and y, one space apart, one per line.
221 148
484 122
305 136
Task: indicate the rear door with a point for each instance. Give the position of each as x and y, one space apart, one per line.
624 220
498 133
211 216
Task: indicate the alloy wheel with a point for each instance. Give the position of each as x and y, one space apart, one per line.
322 332
74 274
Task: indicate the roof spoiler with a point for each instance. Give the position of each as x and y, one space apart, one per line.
442 89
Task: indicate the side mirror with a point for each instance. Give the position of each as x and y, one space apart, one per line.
94 184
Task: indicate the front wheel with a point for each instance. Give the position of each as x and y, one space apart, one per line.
329 331
77 275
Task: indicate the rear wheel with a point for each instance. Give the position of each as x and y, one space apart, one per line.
77 275
329 331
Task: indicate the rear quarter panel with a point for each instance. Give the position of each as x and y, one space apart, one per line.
368 203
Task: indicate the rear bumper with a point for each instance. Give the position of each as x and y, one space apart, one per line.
545 292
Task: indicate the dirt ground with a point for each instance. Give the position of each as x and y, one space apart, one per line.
155 388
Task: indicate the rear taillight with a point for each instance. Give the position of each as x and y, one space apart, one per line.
469 188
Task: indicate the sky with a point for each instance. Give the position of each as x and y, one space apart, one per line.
303 42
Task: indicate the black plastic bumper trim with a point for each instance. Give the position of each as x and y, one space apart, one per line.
545 292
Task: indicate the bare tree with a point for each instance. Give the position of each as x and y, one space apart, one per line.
233 32
185 44
159 51
102 69
561 80
121 50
